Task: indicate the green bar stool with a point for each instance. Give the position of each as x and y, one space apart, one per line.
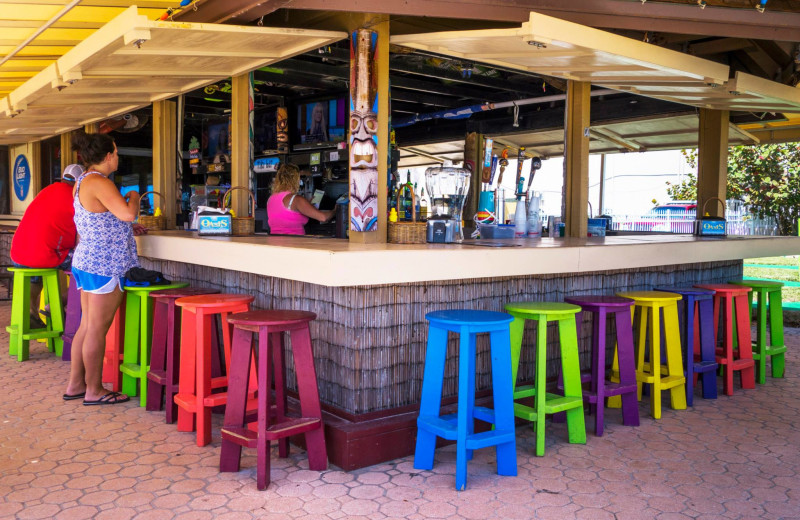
138 335
546 403
768 301
19 329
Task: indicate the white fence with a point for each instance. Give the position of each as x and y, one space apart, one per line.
678 220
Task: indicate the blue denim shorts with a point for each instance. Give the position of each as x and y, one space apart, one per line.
95 283
65 266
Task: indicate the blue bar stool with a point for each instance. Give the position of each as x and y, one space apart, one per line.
460 426
697 337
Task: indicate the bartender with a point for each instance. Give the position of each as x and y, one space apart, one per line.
287 211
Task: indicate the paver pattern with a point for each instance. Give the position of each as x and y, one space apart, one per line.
736 458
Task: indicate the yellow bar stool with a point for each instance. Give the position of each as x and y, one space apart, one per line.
650 306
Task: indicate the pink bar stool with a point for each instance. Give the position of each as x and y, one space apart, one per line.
195 398
736 305
115 340
162 378
272 424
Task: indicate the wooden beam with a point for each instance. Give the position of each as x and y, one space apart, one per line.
68 155
712 160
164 159
576 159
240 143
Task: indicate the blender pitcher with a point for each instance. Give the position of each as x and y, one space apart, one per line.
448 188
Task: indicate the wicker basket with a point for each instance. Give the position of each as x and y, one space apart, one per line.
407 232
242 225
151 221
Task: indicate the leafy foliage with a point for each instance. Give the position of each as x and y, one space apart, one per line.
765 177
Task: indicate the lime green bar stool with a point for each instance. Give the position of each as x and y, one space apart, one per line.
768 301
546 403
138 332
650 306
19 329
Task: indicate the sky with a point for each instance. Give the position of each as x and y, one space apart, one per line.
632 181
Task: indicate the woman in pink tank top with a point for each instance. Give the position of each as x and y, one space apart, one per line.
288 212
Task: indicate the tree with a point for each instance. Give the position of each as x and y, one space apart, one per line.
765 177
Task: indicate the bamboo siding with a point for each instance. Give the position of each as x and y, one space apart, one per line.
369 341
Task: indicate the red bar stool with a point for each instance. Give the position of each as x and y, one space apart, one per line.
737 312
194 397
112 358
272 424
162 378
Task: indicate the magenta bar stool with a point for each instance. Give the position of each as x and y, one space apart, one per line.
601 387
72 318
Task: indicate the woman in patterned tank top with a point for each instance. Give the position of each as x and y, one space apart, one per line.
104 253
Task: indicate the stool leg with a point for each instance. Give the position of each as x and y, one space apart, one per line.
430 402
309 397
627 368
145 330
747 373
760 353
158 356
503 400
56 313
173 361
114 342
570 366
641 349
706 330
655 362
672 340
278 367
464 418
727 331
230 452
540 395
203 381
777 360
187 420
598 370
262 443
470 384
517 329
20 317
688 345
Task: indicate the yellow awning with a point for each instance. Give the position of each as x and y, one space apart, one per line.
132 61
554 47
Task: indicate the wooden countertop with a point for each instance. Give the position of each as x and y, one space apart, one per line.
335 263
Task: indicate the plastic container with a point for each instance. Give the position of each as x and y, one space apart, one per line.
490 231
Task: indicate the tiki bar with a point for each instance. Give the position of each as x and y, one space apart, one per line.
207 104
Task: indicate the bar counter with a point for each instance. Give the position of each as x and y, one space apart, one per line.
340 263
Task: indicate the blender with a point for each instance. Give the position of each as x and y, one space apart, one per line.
448 188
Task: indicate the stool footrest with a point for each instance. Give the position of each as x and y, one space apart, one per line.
219 382
293 426
158 376
705 366
611 389
484 414
131 369
736 364
553 404
769 351
443 426
524 391
480 440
42 334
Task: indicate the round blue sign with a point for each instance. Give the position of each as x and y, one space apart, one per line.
22 177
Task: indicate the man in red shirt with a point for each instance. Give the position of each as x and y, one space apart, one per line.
46 235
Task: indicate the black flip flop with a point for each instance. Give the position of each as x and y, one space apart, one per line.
109 398
68 397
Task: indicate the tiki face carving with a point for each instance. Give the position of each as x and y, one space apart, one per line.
363 126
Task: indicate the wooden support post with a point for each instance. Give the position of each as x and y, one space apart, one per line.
165 148
473 161
576 159
370 69
68 155
712 160
91 128
240 143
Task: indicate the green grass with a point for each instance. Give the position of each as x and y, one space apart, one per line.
789 294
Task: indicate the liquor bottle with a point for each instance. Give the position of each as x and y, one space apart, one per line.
417 202
423 206
407 197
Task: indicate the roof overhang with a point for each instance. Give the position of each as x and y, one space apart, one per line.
132 62
555 47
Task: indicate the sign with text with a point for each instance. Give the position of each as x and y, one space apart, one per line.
214 224
22 176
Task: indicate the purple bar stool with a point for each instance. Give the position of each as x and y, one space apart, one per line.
600 307
72 317
162 378
697 336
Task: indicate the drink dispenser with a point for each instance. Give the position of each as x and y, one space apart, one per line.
448 188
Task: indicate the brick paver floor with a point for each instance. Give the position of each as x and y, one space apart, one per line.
736 457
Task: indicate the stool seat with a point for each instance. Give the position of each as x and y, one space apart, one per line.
725 288
213 300
474 318
769 319
591 302
274 318
460 426
697 292
138 335
650 296
549 308
181 292
19 329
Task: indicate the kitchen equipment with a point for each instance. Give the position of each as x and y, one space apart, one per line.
448 188
342 217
